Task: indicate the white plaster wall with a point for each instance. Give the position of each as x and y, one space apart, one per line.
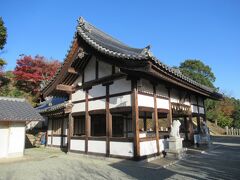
4 132
161 90
120 101
145 86
49 140
145 101
148 147
78 107
119 86
16 139
78 95
97 91
122 149
174 96
97 104
193 99
97 146
77 144
201 110
194 109
104 69
89 71
56 141
162 103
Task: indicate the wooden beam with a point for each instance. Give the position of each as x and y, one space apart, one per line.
70 130
72 70
66 88
135 119
156 118
169 116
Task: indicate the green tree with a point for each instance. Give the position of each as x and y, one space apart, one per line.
198 71
3 40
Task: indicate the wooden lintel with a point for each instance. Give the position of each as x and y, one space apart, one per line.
72 70
66 88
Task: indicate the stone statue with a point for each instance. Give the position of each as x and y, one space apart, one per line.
175 129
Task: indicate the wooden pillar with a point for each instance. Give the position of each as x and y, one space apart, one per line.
52 133
62 125
108 122
70 130
156 118
186 125
87 122
169 116
190 127
135 119
145 121
198 117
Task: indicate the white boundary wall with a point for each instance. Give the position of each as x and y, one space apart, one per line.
96 146
148 148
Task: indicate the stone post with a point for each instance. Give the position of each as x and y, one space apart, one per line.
226 129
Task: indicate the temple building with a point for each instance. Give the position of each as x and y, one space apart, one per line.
119 101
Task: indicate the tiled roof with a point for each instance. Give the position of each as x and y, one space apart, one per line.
52 104
15 109
108 45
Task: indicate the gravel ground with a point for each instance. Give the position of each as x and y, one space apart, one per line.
221 161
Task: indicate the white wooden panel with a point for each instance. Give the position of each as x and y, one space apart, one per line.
201 110
122 149
148 147
78 107
49 140
174 96
162 103
145 101
90 70
4 133
162 90
97 104
104 69
145 86
56 141
16 139
193 99
97 146
194 109
49 126
120 101
119 86
78 95
77 144
97 91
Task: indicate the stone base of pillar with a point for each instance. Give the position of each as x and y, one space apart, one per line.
176 149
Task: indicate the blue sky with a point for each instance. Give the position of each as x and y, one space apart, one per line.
208 30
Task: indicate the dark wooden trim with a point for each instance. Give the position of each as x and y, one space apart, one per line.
135 121
107 83
145 93
82 113
96 69
162 97
97 138
83 77
120 139
87 122
77 151
98 111
156 118
78 137
145 109
57 135
121 109
165 111
79 101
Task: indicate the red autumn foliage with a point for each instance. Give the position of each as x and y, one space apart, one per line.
30 72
